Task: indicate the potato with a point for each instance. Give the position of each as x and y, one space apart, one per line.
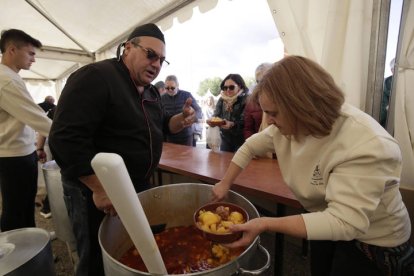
236 217
219 221
208 218
222 230
227 223
213 227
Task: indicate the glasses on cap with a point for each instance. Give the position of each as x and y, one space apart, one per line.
151 54
230 87
170 88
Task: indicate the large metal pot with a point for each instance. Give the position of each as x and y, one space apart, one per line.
63 228
26 251
61 221
174 205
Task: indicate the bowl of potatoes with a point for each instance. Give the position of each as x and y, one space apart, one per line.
215 219
216 121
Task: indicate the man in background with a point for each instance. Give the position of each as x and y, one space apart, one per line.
48 103
173 101
20 117
160 85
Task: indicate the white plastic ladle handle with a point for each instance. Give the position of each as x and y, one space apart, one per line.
112 173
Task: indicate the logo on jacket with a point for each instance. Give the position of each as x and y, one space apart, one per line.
317 177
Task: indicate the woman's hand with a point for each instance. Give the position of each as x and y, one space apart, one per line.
220 190
228 125
250 229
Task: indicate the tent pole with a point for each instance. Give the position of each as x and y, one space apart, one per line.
391 109
376 64
54 23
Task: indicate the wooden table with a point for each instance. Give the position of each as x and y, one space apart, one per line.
261 178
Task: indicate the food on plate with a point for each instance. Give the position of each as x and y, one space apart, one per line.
216 121
219 220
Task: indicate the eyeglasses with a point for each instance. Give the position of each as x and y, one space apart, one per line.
151 54
170 88
230 87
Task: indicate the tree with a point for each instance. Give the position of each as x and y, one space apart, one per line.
212 84
250 81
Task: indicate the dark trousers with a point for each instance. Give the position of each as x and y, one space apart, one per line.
345 258
18 181
85 219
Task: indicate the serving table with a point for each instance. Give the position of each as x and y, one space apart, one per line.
261 179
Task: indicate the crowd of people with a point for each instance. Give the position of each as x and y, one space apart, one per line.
341 165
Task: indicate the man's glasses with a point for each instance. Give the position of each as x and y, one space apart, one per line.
170 88
230 87
151 55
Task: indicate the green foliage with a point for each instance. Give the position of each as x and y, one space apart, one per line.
250 81
212 84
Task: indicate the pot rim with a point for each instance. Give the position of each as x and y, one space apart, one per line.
234 262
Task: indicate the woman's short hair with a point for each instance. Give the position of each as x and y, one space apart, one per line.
305 93
261 70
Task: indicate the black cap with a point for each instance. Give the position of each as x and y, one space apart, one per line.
149 29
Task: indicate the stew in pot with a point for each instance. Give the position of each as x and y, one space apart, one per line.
184 250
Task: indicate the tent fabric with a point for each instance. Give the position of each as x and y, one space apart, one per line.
72 32
404 97
334 33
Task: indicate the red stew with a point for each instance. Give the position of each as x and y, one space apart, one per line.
184 250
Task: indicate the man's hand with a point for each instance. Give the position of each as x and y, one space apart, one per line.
188 113
184 119
41 155
100 198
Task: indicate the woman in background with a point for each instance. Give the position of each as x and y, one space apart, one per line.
253 113
230 107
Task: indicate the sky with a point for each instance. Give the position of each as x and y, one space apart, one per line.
234 37
393 30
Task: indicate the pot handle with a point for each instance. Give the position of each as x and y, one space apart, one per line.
259 271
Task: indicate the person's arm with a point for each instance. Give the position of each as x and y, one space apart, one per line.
16 101
248 129
221 188
183 119
289 225
100 198
40 148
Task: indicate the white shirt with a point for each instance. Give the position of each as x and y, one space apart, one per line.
20 116
348 180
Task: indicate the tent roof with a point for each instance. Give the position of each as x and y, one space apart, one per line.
73 31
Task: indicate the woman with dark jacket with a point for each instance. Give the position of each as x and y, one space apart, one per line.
230 107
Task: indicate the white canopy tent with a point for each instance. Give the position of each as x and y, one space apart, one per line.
75 32
344 36
348 38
